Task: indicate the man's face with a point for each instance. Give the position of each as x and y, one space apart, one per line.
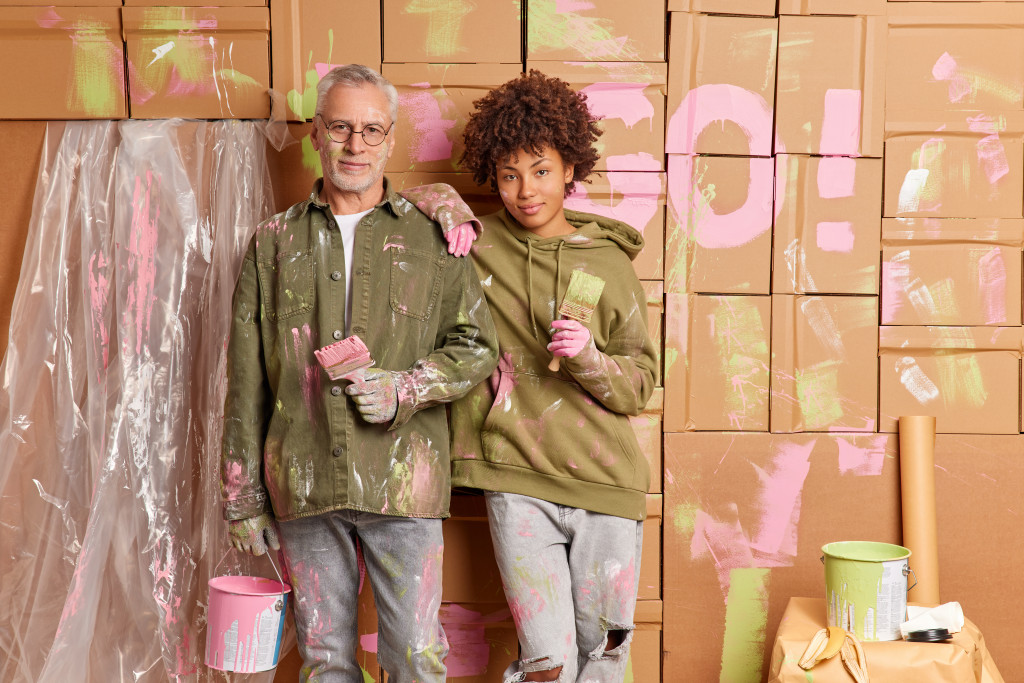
353 166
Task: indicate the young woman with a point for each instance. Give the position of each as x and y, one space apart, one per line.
564 478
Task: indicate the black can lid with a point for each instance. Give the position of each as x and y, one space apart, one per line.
929 635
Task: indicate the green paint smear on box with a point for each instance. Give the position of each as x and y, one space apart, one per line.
444 27
746 619
95 90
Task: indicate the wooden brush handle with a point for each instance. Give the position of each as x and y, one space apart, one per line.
556 361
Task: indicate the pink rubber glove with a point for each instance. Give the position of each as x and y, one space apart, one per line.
460 239
569 338
254 534
375 395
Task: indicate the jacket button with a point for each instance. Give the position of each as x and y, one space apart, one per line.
336 391
336 275
337 334
336 452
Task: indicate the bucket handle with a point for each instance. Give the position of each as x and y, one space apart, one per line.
907 571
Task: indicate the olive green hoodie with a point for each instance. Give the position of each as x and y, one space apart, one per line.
560 436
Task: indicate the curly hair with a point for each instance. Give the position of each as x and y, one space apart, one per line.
528 113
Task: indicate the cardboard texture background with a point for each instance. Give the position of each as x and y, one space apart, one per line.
832 197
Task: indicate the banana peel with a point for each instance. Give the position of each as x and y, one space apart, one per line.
833 640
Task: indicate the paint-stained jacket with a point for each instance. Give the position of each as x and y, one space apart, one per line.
293 439
560 436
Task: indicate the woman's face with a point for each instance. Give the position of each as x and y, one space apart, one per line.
532 187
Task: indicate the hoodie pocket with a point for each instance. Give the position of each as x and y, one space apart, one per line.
415 282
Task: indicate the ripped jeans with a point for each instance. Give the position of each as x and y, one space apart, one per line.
570 578
403 562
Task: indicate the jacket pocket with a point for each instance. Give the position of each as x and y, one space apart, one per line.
415 282
287 284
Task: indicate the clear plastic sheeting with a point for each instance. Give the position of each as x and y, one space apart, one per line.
112 397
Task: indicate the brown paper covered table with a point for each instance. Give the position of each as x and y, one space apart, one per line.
963 660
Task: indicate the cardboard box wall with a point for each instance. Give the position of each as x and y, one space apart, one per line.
629 99
967 377
596 31
198 62
635 198
845 7
764 8
824 363
721 85
827 225
830 91
310 37
949 271
717 362
62 63
445 33
719 227
434 102
647 426
746 516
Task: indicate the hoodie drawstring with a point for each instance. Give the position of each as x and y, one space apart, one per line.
529 284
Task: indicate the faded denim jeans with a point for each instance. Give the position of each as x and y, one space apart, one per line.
570 577
403 562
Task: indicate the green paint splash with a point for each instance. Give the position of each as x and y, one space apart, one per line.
746 619
310 157
367 678
684 519
591 37
741 347
97 81
444 24
817 390
303 104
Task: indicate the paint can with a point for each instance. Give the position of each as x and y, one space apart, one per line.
866 587
246 623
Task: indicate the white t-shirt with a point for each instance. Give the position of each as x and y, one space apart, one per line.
347 225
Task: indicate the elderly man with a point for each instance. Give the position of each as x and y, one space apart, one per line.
333 465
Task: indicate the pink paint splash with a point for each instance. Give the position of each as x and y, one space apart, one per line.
712 103
323 67
639 194
142 260
836 177
567 6
48 18
430 138
947 69
234 479
863 461
724 541
470 650
724 231
368 642
778 501
99 291
625 101
840 125
309 382
835 236
992 286
641 161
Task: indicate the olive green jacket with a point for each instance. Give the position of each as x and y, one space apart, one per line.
293 440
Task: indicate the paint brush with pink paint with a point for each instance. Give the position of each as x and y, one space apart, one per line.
579 302
345 359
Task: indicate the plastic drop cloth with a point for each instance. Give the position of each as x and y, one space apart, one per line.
112 396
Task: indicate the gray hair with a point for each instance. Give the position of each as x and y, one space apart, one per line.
355 76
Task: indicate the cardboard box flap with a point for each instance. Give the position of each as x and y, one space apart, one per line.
944 124
578 73
928 340
145 20
897 232
44 23
450 75
834 7
762 8
954 14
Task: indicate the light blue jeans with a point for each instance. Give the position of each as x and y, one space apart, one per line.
403 562
570 577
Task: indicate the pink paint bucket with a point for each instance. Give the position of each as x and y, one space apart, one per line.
246 621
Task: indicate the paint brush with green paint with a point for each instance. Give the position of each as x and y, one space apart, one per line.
579 302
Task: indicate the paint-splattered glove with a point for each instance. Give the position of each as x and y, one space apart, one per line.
375 395
254 534
443 204
568 338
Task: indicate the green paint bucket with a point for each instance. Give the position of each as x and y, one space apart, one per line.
866 587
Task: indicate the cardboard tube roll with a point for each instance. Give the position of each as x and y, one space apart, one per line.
917 486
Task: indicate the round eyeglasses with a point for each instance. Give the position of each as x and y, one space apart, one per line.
341 131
